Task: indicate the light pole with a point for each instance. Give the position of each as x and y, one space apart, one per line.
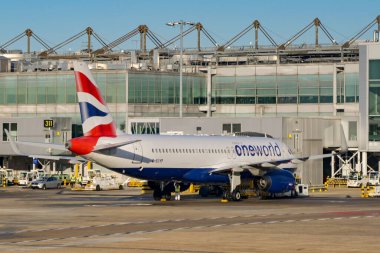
180 23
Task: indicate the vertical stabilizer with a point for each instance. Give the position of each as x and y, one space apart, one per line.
96 118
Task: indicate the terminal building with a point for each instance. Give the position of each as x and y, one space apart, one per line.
316 99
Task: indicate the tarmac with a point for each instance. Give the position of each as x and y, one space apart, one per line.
127 221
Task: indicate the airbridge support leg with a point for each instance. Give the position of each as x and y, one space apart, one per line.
235 182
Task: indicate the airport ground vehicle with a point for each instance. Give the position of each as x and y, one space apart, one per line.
89 175
9 174
27 177
99 183
357 180
62 177
46 183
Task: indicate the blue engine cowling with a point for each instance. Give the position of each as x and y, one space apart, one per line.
277 181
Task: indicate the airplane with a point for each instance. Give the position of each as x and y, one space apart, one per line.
163 160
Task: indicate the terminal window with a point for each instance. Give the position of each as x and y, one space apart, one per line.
12 129
374 100
231 128
352 130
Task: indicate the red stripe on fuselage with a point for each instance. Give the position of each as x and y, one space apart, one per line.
84 84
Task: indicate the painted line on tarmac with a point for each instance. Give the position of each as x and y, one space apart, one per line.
255 223
179 220
272 222
128 204
180 228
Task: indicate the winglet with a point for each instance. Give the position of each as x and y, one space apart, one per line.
13 143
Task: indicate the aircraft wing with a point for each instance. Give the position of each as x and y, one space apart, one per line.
102 147
269 164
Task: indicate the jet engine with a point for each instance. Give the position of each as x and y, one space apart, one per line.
276 181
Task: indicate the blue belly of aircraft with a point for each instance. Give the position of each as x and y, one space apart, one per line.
193 175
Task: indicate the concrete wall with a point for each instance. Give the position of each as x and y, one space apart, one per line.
33 130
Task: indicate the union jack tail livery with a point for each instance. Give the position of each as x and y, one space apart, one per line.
96 118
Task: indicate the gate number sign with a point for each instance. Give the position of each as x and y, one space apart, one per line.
48 123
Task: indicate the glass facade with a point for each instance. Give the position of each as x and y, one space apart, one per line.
374 100
158 89
285 89
59 88
162 88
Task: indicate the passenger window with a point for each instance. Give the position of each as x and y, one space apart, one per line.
152 150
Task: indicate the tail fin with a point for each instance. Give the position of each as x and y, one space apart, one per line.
96 118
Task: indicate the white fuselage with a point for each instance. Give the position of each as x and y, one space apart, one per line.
187 152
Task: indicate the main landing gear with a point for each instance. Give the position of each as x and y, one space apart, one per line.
163 190
235 192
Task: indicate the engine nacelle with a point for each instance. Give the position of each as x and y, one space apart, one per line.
277 182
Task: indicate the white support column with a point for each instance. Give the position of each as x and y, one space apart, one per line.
209 91
358 164
126 101
333 164
334 91
364 163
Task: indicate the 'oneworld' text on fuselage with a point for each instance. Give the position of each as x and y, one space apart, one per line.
259 150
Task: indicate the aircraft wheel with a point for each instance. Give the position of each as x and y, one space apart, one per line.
168 196
227 195
236 195
97 188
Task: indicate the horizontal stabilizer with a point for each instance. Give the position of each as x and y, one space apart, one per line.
41 145
33 144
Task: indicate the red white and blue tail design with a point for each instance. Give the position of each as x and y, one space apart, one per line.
96 118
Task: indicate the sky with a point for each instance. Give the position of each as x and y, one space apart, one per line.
55 21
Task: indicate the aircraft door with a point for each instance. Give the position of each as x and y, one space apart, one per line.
231 154
138 152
